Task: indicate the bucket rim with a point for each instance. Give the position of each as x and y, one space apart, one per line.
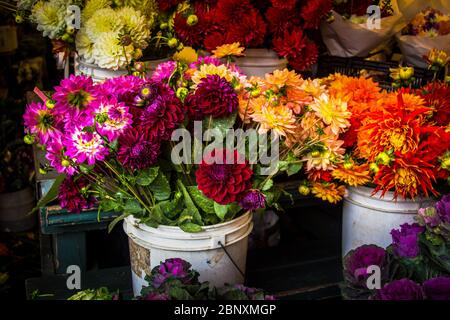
389 196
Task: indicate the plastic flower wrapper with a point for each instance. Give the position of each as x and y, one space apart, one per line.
355 265
95 294
240 292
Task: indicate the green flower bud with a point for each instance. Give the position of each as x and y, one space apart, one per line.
28 139
182 93
65 163
42 171
374 167
163 25
50 104
70 30
19 19
383 158
304 190
192 20
172 42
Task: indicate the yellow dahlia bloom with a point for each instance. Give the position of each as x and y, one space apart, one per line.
232 49
333 112
108 52
85 47
313 87
187 55
281 78
50 17
248 106
279 118
311 125
133 23
330 192
356 176
222 71
104 21
92 6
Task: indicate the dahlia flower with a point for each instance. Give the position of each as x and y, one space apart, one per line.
85 46
250 31
333 112
103 21
112 117
279 118
92 7
74 195
138 149
314 11
135 25
163 71
57 158
42 122
221 70
330 192
356 176
123 88
109 53
281 20
205 60
50 17
226 50
73 94
284 4
214 97
221 178
85 147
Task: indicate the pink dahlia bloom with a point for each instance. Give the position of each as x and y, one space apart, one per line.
85 147
123 88
42 122
57 158
73 94
111 117
74 195
164 71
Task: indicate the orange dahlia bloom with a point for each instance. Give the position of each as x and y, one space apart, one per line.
411 102
356 176
330 192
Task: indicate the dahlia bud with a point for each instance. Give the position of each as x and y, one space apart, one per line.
383 158
374 167
67 37
255 92
70 30
42 171
180 47
348 165
406 72
28 139
125 40
315 153
139 66
304 190
163 25
445 163
192 20
65 163
182 93
172 42
19 19
50 104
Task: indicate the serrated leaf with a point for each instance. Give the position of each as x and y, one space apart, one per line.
160 187
190 227
146 177
201 200
132 206
220 210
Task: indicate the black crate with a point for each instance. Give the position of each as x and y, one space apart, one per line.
379 71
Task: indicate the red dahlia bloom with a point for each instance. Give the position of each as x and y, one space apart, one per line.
284 4
229 12
165 5
313 11
249 31
280 20
437 96
221 178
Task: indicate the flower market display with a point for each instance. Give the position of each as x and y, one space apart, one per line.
414 267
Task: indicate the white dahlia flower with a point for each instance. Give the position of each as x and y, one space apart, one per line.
109 53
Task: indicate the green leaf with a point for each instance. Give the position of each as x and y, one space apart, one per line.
223 124
117 220
190 227
178 293
132 206
146 177
108 205
160 187
232 210
294 168
171 208
190 206
184 216
267 185
201 200
220 210
51 194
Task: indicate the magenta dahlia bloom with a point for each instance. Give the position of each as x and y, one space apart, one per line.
111 117
403 289
42 122
164 71
214 97
405 242
253 200
57 158
123 88
205 60
138 149
437 288
163 114
85 147
74 195
73 94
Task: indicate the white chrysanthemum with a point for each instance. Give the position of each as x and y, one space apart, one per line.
109 53
92 7
105 20
85 47
149 8
50 17
134 24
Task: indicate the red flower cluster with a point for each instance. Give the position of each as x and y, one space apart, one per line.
313 12
437 96
222 178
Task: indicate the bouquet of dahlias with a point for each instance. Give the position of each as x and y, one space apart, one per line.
398 141
354 28
111 34
428 28
218 25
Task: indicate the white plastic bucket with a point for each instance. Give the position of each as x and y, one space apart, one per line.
95 72
14 209
151 246
258 62
369 219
